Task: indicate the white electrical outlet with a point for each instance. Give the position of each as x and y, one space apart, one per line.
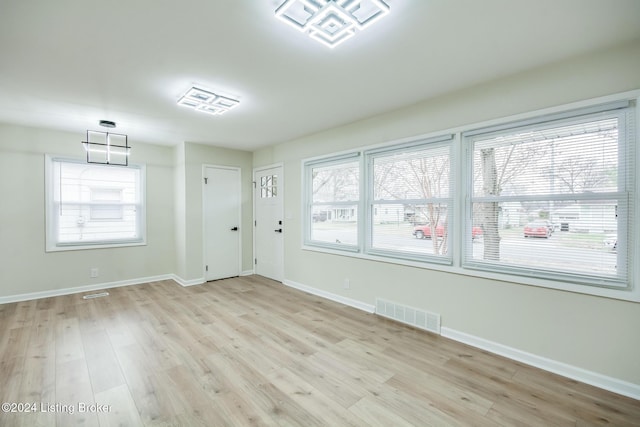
94 272
346 284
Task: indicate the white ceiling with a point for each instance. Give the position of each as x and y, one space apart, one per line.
66 64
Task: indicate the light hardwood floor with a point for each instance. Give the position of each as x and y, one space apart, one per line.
250 351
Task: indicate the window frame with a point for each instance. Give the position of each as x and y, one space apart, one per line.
51 220
460 165
307 180
626 160
441 141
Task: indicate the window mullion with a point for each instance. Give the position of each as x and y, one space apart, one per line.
366 194
551 197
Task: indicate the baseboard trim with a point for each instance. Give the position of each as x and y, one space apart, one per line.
201 280
185 283
592 378
82 289
369 308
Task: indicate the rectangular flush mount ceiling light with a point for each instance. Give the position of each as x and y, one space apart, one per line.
207 102
331 21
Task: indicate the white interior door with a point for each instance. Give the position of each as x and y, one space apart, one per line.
221 204
269 223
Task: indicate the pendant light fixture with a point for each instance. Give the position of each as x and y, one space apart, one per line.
107 148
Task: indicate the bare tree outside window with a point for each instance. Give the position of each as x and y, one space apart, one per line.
419 179
545 175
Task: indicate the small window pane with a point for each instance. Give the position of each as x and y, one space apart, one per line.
404 228
333 210
568 159
419 174
335 224
268 186
582 238
336 183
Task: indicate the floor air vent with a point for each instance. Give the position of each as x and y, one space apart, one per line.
409 315
98 295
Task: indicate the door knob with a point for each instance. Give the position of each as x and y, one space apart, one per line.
234 229
279 230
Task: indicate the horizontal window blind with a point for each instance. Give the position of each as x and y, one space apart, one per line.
334 196
554 199
91 204
410 210
549 197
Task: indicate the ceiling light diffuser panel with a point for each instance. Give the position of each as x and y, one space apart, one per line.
331 22
207 102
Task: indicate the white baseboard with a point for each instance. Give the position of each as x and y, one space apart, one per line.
369 308
82 289
201 280
184 283
593 378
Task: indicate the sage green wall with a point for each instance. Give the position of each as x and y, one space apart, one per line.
593 333
174 214
180 208
25 267
190 226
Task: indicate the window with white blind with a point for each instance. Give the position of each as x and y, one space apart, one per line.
333 198
554 197
90 205
410 209
547 201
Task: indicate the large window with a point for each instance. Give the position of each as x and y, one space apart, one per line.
549 200
91 205
410 210
553 198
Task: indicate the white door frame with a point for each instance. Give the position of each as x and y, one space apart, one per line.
202 196
253 204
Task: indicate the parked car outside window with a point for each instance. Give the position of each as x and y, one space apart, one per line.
424 231
538 229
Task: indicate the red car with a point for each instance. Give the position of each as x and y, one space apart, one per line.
537 229
424 231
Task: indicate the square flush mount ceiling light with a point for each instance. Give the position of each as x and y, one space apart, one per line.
331 21
207 102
